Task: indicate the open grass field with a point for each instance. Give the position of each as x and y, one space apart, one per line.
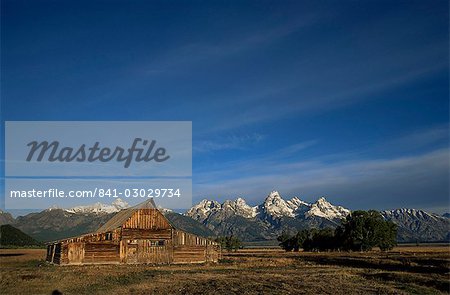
405 270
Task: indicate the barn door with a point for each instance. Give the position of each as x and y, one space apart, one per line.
75 253
132 251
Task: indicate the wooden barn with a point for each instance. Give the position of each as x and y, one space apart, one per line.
141 234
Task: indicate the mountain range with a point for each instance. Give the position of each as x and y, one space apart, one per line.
232 217
275 214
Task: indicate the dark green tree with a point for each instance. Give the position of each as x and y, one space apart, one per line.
388 236
320 240
360 231
293 243
230 243
363 230
285 241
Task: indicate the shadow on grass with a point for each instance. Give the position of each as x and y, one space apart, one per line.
388 265
441 285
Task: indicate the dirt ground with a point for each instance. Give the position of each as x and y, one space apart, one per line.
405 270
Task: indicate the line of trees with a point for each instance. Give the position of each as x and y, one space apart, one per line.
359 231
230 243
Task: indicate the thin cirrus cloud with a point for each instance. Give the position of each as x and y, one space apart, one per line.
254 163
191 54
423 137
316 78
329 85
301 100
418 180
231 142
185 57
421 181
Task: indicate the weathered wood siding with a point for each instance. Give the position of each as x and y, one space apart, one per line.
114 235
101 252
147 219
189 248
187 239
63 259
150 251
155 234
75 253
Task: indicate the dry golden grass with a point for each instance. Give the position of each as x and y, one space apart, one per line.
406 270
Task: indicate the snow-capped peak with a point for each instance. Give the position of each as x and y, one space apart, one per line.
274 194
120 204
98 207
240 207
241 201
203 209
414 213
323 208
207 205
275 206
322 200
53 207
296 202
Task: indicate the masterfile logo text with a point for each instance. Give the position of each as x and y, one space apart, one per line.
97 160
150 148
97 153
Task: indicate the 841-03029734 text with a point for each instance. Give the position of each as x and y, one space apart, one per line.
141 193
99 192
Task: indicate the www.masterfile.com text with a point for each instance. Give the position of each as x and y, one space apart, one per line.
99 192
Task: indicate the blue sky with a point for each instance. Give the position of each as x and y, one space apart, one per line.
347 99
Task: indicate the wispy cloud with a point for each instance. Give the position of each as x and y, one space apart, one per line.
299 100
292 149
192 54
419 181
251 164
421 138
228 142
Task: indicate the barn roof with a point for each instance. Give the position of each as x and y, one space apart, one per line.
118 220
123 215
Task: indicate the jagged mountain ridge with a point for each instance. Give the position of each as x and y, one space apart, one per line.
267 220
57 223
233 217
418 225
273 207
117 205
